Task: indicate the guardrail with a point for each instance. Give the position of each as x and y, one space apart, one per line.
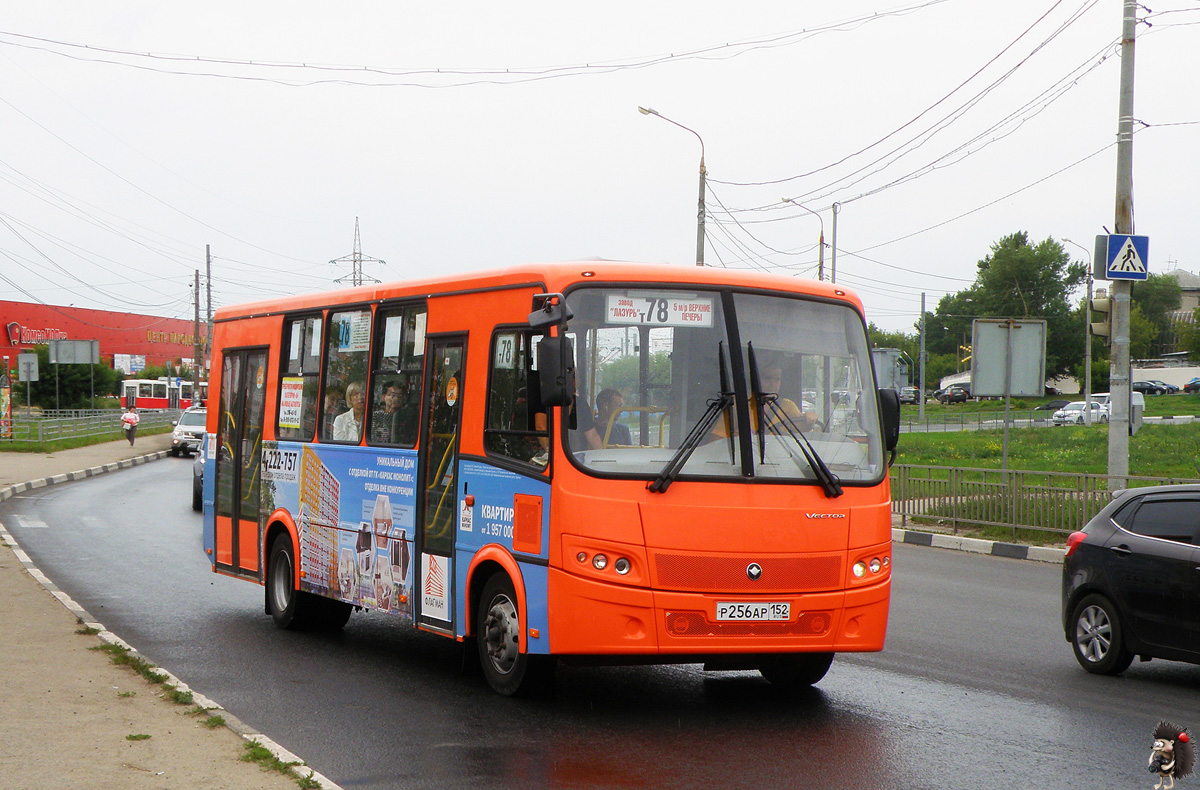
57 424
1054 502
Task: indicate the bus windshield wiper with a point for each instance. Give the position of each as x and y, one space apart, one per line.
766 405
716 407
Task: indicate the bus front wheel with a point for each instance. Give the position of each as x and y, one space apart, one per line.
796 670
498 637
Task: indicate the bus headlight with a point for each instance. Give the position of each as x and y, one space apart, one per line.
859 570
621 566
875 565
600 562
581 556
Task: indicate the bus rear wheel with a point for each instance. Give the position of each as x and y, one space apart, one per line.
795 670
294 609
498 637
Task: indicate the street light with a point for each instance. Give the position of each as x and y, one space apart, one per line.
700 210
1087 337
821 241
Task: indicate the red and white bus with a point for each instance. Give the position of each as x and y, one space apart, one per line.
433 450
160 393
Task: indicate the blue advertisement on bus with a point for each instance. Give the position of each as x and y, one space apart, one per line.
356 515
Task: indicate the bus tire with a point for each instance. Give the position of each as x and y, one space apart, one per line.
498 636
795 670
286 605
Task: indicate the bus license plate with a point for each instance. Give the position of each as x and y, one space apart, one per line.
753 611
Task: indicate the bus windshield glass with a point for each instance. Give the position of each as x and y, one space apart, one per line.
658 386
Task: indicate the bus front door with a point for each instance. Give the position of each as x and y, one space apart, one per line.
131 393
239 451
439 485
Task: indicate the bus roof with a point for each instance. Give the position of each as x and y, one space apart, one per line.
556 277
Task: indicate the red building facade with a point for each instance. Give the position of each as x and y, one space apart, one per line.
159 340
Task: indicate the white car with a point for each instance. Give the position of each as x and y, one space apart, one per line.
1073 414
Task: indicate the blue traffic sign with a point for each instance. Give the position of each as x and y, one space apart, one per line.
1128 257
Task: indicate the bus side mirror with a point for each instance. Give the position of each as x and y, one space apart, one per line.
889 410
556 371
549 310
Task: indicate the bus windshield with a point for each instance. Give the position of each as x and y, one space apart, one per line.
651 363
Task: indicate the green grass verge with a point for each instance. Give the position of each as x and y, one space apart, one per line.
11 446
1155 451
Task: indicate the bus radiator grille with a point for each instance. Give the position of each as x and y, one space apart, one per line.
696 624
728 574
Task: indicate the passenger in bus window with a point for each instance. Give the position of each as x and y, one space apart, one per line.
347 426
584 435
384 416
334 405
609 403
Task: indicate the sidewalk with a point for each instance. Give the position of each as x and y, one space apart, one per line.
67 711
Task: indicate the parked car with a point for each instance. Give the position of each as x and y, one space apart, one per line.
189 431
909 395
1169 389
1053 405
955 393
1073 414
1149 388
1192 386
1129 580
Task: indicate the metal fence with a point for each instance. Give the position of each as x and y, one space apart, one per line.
55 424
978 420
1054 502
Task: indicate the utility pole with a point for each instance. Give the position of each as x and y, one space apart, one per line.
833 253
921 355
1118 376
196 341
207 351
356 259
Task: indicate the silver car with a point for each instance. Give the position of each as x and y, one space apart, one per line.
1073 414
189 431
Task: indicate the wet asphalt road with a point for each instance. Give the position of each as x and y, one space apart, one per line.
975 688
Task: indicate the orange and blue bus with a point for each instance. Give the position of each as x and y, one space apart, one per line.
596 462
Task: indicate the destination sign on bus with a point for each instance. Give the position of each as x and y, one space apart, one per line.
665 309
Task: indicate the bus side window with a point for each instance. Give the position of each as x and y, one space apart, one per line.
298 404
347 347
396 379
516 420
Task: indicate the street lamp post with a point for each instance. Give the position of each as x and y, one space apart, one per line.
820 242
1087 338
700 209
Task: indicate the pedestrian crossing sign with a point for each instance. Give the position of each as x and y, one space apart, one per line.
1128 257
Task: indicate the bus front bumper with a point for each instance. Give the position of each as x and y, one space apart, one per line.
587 617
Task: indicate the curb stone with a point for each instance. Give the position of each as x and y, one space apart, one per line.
994 548
234 724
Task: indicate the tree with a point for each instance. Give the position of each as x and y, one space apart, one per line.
1157 296
68 387
1016 280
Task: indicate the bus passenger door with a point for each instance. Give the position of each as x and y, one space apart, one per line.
439 485
239 450
131 395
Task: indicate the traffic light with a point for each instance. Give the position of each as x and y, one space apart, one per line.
1101 324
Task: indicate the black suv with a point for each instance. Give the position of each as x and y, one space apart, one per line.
955 393
1130 584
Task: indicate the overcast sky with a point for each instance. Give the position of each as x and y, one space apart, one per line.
473 135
